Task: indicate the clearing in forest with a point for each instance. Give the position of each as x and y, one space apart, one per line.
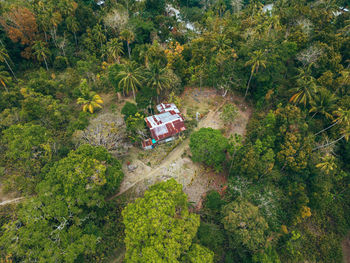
172 160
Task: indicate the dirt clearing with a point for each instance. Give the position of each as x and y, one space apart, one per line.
172 160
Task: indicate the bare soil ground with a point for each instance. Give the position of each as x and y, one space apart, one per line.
172 160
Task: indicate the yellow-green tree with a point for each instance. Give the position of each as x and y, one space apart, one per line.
90 100
159 226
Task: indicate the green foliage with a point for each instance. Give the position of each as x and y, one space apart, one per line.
245 225
28 148
208 146
129 109
43 110
60 63
268 256
229 113
136 127
159 227
62 222
212 237
199 253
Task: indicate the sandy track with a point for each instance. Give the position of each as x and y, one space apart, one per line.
11 201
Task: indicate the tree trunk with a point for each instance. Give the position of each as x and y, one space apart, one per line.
75 38
47 68
326 128
5 87
250 78
8 65
119 96
127 43
328 144
313 115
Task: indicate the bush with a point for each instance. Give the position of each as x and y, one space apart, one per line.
60 63
209 146
129 109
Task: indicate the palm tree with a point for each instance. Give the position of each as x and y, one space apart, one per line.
128 36
130 77
41 51
93 101
343 118
145 54
73 26
4 78
327 163
115 49
344 80
307 87
98 34
257 59
90 100
157 77
4 56
324 104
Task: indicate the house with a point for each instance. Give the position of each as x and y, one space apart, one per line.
165 125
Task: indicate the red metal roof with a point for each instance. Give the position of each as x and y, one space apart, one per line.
146 143
166 124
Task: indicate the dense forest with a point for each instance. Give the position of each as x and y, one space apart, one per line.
70 68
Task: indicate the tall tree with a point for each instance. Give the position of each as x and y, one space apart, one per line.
4 56
4 78
323 103
62 223
73 26
98 34
41 52
20 25
159 226
128 36
307 87
343 119
129 77
256 60
157 77
115 49
245 225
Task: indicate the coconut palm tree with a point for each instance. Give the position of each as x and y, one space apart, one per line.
327 163
41 51
128 36
323 103
90 102
115 49
157 77
130 78
98 33
305 92
4 56
257 60
73 26
4 78
343 119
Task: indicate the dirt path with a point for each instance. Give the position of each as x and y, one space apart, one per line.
172 156
11 201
